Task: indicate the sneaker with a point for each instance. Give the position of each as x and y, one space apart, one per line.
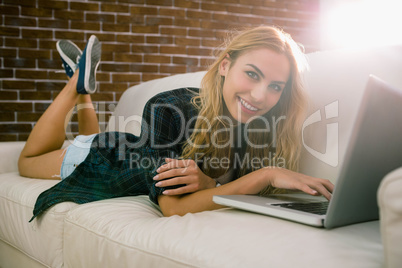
70 55
87 66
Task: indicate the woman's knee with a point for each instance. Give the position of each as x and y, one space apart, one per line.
23 165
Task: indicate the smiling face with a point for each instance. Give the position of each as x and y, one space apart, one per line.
254 82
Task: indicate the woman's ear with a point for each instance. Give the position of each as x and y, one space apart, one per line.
224 66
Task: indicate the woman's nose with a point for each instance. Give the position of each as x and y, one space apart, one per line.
258 93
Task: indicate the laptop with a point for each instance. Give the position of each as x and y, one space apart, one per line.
374 149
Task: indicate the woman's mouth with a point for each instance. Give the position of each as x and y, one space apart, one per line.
247 107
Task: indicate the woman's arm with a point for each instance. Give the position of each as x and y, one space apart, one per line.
164 126
183 172
251 183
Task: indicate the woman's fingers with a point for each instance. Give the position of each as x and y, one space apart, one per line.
182 190
175 181
174 167
315 190
175 163
328 184
320 190
307 189
183 173
291 180
320 187
176 172
324 187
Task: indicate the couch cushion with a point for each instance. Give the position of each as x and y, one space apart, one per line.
41 239
127 115
390 202
12 150
131 230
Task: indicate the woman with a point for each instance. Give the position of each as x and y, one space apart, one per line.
246 116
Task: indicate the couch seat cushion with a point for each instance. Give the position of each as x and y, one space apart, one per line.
41 239
131 230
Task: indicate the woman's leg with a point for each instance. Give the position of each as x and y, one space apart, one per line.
42 156
87 120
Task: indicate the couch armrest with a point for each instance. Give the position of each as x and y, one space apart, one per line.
10 152
390 203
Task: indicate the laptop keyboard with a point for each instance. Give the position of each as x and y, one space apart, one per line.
319 208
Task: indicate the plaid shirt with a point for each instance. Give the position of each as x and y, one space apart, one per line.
121 164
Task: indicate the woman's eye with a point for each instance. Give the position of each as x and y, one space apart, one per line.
252 75
276 87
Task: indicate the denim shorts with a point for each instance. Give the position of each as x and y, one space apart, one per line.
76 154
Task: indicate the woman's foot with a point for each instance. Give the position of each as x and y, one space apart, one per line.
88 65
70 55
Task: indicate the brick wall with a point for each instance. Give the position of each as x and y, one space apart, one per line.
141 40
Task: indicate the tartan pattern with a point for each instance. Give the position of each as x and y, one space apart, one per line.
115 165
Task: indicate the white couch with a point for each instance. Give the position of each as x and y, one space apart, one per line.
131 231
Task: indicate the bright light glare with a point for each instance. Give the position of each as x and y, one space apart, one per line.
360 24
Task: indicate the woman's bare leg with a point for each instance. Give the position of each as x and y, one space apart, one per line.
87 120
42 156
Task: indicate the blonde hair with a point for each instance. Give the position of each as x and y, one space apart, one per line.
291 105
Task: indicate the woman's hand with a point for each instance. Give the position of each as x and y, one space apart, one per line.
251 183
287 179
176 172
